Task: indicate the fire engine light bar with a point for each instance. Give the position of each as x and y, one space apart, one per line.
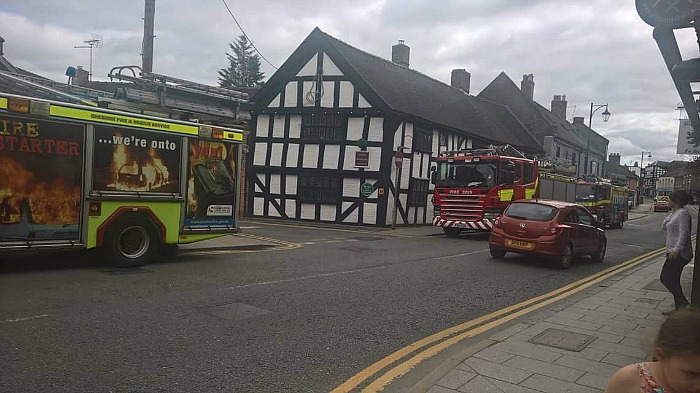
18 105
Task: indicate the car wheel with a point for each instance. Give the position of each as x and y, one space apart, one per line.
564 261
600 254
497 253
452 232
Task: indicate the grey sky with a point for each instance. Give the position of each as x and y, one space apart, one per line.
591 50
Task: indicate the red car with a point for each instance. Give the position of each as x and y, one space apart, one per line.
661 206
553 229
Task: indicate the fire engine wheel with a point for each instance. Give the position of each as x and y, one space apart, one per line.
564 261
130 242
452 232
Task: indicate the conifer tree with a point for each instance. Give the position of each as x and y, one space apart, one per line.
244 66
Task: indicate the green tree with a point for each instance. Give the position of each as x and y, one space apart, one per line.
244 66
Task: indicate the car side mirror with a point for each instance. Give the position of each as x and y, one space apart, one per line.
599 224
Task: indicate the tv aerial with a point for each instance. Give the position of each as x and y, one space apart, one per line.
95 42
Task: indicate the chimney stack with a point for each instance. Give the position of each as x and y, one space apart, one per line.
614 158
400 54
527 86
559 106
578 120
82 77
2 43
460 79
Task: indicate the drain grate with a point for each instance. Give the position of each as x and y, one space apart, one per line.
648 301
557 338
236 311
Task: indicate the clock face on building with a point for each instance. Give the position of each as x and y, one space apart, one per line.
668 13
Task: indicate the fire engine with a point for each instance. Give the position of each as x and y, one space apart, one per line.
474 186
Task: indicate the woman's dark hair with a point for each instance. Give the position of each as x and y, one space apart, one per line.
680 197
680 333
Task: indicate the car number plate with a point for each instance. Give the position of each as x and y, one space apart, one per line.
520 244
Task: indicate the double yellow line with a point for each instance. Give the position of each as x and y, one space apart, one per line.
432 345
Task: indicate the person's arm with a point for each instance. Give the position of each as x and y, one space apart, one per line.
625 380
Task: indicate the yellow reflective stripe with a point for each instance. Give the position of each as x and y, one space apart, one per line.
603 202
233 136
505 195
3 103
529 193
111 118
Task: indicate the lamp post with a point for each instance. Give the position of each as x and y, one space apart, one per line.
606 115
639 186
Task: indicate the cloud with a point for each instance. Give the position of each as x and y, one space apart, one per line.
593 51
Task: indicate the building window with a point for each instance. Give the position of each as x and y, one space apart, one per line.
319 187
422 141
558 151
317 128
418 192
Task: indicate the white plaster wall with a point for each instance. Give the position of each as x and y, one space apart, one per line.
351 187
275 184
295 126
278 126
331 156
261 129
310 156
376 129
272 211
290 94
308 87
275 103
361 102
405 172
328 212
258 206
353 216
276 154
375 158
328 94
355 126
369 215
308 211
290 208
260 154
329 67
347 90
292 155
291 185
309 68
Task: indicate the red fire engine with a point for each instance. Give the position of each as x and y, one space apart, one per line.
474 186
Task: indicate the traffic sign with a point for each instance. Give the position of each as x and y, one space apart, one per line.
398 159
366 189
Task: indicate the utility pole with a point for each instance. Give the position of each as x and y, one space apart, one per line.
148 28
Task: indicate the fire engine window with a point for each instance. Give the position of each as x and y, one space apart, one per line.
470 174
418 192
528 174
518 171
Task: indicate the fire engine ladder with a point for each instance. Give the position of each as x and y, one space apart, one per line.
42 87
152 89
505 150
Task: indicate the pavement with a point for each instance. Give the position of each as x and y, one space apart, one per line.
570 345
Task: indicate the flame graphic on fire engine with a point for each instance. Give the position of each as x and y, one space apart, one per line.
48 203
131 174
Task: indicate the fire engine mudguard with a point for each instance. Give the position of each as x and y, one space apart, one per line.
130 241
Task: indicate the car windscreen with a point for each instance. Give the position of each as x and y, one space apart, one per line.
531 211
467 174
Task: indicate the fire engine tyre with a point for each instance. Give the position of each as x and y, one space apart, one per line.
497 253
130 242
451 232
599 256
564 261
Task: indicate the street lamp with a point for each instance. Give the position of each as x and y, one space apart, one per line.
639 186
606 115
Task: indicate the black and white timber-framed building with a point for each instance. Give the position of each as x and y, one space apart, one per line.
326 126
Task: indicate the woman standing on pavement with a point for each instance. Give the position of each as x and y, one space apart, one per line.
679 252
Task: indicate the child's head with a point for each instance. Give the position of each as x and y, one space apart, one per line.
678 351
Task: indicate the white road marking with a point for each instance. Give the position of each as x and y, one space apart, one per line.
250 227
634 245
26 318
461 255
334 241
309 243
303 278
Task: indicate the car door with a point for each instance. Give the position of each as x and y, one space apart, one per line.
589 232
571 219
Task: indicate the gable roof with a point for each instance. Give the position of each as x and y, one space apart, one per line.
539 121
406 91
618 170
